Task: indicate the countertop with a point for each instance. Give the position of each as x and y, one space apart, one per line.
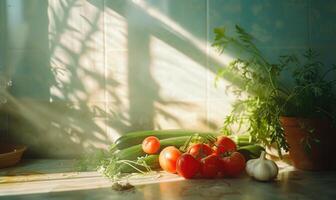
56 179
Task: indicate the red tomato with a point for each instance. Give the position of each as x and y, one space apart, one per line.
233 165
168 158
225 144
151 145
200 151
210 166
187 166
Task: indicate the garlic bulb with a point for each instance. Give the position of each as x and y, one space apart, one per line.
262 169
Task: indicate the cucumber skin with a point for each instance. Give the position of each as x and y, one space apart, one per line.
152 161
132 153
251 151
135 138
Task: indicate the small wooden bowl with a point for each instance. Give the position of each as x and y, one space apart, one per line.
10 154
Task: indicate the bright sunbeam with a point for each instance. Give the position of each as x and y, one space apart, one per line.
198 43
73 181
218 102
56 125
51 182
179 77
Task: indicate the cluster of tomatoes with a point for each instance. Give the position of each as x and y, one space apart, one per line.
200 160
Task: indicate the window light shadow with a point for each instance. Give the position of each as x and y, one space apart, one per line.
86 102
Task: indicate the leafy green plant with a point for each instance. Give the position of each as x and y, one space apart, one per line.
263 98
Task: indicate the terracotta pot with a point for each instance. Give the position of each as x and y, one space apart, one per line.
321 155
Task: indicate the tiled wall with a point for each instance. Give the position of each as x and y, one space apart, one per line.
3 117
86 71
2 30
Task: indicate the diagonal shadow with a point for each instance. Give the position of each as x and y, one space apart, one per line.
67 125
166 33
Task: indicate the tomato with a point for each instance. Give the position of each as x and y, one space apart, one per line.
233 165
187 166
168 158
210 166
151 145
225 144
200 151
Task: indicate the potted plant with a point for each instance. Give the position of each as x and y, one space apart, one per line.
294 111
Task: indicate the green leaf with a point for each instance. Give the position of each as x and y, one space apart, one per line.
267 98
220 32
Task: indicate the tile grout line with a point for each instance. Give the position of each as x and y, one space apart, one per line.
207 63
105 70
309 12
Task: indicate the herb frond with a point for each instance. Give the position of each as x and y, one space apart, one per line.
266 97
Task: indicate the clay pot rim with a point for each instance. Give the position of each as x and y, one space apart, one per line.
300 118
14 149
294 121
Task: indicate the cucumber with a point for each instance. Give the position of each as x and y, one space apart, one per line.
135 138
251 151
152 161
242 140
133 152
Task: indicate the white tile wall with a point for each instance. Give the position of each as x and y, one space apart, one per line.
148 64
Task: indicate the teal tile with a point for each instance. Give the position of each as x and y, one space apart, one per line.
223 13
322 22
27 24
2 34
30 74
273 23
276 23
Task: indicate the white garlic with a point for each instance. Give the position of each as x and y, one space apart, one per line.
262 169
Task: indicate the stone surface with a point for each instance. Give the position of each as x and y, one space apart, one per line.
56 179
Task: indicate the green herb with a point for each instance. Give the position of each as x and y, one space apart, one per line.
264 98
107 163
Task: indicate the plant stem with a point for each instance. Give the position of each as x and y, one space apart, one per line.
262 155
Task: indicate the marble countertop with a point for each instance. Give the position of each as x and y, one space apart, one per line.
55 179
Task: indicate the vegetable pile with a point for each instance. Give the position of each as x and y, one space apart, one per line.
190 154
217 157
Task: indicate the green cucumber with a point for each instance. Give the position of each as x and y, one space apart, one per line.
251 151
133 152
242 140
134 138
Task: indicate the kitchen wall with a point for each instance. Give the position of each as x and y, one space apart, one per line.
86 71
3 116
2 30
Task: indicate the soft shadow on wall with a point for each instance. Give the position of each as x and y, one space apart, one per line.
69 95
48 104
169 70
